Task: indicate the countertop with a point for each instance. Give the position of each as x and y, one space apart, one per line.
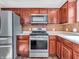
71 36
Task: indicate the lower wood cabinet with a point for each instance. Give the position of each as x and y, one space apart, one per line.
64 51
52 45
22 49
22 45
75 51
58 49
67 52
75 55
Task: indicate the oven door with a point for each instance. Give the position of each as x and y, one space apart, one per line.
38 44
38 48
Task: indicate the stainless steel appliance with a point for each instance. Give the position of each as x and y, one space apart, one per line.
39 18
9 27
38 44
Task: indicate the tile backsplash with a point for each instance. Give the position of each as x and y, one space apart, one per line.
54 27
49 27
71 27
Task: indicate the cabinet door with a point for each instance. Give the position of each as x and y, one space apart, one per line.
25 16
52 16
58 49
22 45
22 49
52 49
67 53
52 46
43 11
64 13
35 11
75 55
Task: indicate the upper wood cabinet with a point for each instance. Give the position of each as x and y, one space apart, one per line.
34 10
53 16
26 16
39 11
72 11
64 13
52 45
43 11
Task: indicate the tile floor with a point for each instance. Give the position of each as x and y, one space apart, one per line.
37 58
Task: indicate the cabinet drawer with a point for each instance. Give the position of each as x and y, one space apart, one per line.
22 37
22 41
52 37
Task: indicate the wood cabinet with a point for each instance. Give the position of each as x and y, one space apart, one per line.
64 13
58 49
52 45
72 11
39 11
43 11
64 48
67 52
75 55
25 16
53 16
35 11
75 51
59 46
22 45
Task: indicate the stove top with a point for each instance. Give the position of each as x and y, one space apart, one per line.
38 33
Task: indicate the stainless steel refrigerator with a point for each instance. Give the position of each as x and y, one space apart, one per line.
9 27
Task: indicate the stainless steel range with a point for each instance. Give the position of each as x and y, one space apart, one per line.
38 44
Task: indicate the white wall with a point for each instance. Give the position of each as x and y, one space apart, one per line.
78 10
32 3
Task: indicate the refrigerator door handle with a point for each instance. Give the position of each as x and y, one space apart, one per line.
0 25
5 46
3 38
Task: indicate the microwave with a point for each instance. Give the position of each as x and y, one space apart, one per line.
39 18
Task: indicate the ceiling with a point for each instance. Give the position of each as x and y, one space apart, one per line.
31 3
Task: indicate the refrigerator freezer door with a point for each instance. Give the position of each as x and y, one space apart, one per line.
5 52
